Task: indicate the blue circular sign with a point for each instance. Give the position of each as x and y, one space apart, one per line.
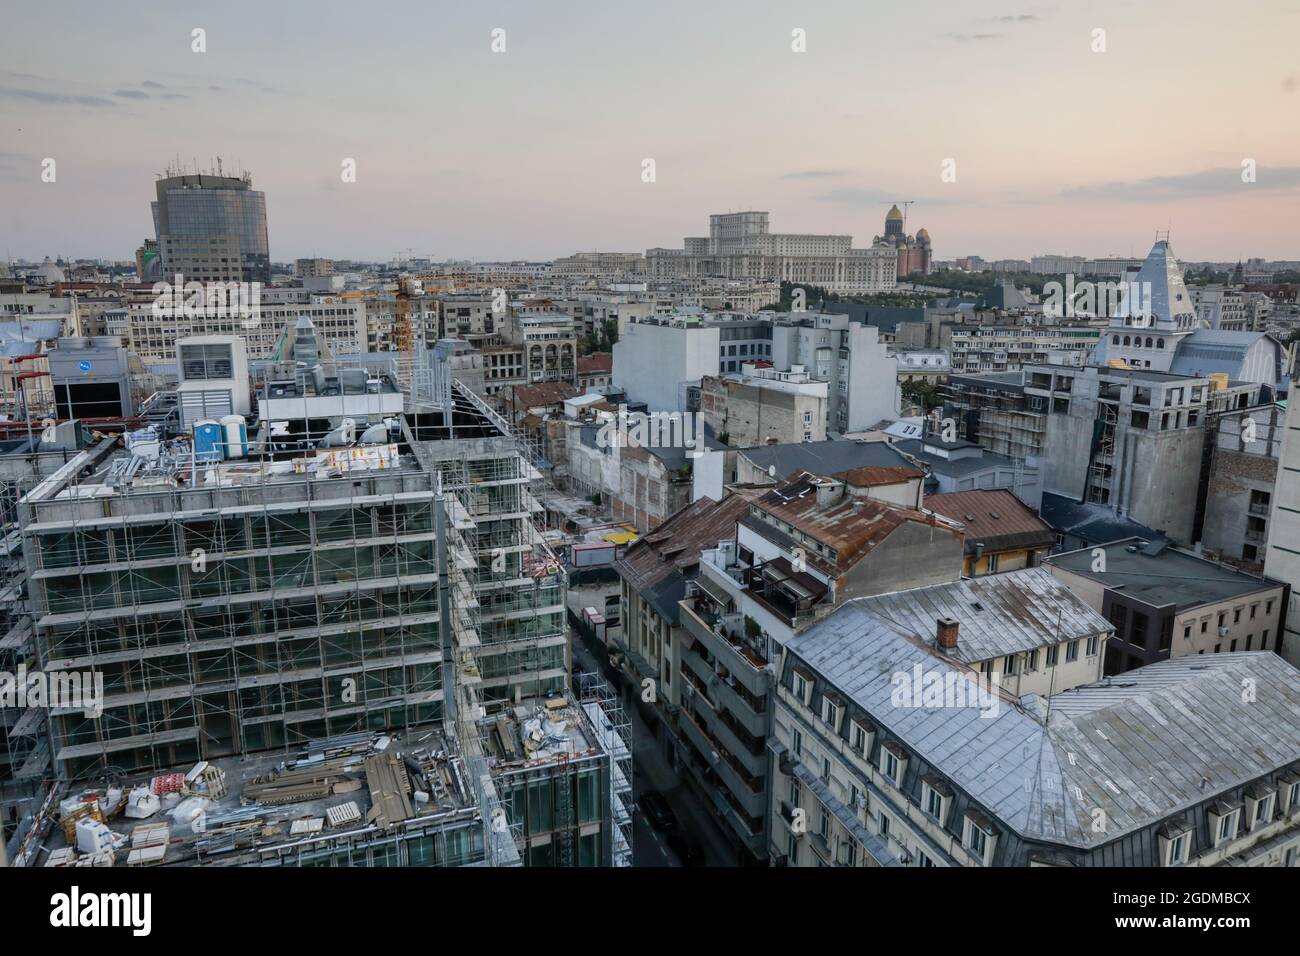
84 365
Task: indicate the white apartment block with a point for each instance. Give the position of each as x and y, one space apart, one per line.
848 356
662 364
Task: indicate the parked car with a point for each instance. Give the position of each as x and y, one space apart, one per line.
657 811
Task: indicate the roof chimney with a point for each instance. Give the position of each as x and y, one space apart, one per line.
829 491
946 632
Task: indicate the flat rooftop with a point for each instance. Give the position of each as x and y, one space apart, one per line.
539 732
339 787
1159 575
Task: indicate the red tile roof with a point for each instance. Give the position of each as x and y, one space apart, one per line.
539 396
595 363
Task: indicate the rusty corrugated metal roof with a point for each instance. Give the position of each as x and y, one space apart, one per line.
995 518
852 526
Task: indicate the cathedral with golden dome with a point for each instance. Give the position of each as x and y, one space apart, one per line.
913 251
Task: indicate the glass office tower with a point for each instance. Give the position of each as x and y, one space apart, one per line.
212 228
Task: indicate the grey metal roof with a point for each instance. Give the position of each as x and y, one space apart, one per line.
825 457
952 467
1207 351
1142 747
1168 576
1091 522
998 614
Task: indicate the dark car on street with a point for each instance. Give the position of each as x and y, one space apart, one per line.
657 811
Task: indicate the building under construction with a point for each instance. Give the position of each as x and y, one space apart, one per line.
312 607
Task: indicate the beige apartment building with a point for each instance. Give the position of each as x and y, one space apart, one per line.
1167 602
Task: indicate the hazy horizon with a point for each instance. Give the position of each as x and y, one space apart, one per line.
537 152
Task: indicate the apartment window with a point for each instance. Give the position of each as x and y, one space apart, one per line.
1052 653
1093 643
975 839
1009 664
891 766
1031 660
824 824
800 687
1223 823
934 803
884 825
993 563
1179 847
923 860
826 768
1263 810
831 713
794 792
1071 651
860 739
796 743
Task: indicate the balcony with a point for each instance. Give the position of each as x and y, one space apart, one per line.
748 791
1259 508
742 662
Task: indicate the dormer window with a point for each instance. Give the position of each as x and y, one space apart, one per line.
1175 842
893 762
861 738
977 836
832 711
936 798
1225 819
1260 801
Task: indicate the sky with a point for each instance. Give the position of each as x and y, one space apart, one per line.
539 151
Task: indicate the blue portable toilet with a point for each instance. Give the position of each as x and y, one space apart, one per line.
208 439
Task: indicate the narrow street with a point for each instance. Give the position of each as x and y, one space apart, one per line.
652 771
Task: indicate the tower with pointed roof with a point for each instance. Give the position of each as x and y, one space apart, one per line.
1154 315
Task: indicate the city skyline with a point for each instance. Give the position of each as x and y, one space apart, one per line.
538 151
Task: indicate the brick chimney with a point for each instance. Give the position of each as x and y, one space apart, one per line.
946 632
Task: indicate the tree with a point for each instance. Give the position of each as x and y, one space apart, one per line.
924 393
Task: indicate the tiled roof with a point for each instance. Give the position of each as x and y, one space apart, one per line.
658 565
547 393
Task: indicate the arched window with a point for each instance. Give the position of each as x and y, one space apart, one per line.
1160 343
1148 341
1114 340
1126 340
